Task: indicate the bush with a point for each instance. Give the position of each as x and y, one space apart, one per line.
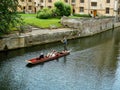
67 10
62 9
54 13
59 8
20 12
82 15
45 13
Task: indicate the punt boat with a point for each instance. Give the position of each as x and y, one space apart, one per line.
36 60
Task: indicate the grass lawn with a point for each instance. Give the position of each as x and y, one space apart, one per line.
41 23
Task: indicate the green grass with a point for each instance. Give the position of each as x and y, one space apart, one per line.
41 23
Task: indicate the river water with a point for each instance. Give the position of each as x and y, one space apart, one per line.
93 64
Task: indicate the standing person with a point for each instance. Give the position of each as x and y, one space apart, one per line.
65 43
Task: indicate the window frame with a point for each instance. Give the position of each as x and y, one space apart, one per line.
107 1
107 10
81 9
82 1
94 4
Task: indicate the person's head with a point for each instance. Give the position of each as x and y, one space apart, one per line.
41 53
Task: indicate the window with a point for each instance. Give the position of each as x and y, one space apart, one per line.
24 7
81 1
30 7
49 7
41 0
81 9
29 0
22 0
49 0
107 10
108 1
73 1
118 1
41 7
93 3
66 1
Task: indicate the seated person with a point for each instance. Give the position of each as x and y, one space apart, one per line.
49 54
64 51
52 54
41 56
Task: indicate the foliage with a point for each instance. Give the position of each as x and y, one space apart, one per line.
8 15
62 9
82 15
67 9
59 8
45 13
54 14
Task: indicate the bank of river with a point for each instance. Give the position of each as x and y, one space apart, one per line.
93 64
43 36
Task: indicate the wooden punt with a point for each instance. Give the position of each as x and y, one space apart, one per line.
45 59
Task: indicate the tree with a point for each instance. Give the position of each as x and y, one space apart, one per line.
62 8
67 10
59 8
8 15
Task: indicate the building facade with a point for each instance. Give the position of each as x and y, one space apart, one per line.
27 6
96 7
93 7
32 6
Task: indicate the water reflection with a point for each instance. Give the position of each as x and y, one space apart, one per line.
93 64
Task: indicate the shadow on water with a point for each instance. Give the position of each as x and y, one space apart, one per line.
93 59
38 48
88 42
117 36
83 43
29 65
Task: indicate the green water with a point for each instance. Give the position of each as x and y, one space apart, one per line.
93 64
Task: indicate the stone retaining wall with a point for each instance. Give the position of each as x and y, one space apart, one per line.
77 28
88 26
7 43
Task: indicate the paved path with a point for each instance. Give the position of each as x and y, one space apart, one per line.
47 31
36 31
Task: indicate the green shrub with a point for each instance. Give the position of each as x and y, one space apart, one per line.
59 8
20 12
38 13
67 10
45 13
62 9
54 13
82 15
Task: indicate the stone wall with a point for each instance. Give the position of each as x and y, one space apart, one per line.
77 28
46 38
8 43
88 26
13 42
